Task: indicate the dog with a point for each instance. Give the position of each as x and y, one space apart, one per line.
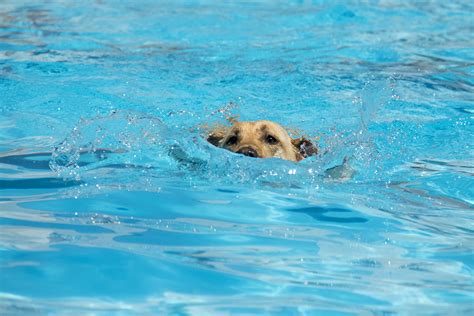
261 139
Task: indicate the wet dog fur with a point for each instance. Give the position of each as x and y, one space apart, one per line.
261 139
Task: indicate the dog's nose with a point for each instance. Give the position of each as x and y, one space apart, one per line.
248 151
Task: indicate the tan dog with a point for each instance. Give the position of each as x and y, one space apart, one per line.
261 139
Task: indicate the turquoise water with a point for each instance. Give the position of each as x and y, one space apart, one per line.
99 217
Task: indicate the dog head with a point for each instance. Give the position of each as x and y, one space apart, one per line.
261 139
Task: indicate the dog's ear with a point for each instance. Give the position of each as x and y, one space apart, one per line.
304 147
216 135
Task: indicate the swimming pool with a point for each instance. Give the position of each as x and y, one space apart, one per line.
98 218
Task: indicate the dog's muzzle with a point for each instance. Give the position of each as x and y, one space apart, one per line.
248 151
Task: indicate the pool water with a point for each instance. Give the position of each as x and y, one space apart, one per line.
113 203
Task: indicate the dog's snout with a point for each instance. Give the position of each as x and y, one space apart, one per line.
248 151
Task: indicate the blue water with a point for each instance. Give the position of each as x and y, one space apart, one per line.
113 203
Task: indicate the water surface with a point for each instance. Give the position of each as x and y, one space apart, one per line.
98 216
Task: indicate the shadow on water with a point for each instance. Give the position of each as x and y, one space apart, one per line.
41 183
327 214
38 162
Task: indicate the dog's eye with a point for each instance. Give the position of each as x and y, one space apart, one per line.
231 141
271 140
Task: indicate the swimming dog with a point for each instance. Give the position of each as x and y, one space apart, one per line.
261 139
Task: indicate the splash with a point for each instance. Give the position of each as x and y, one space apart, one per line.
121 139
356 151
137 151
